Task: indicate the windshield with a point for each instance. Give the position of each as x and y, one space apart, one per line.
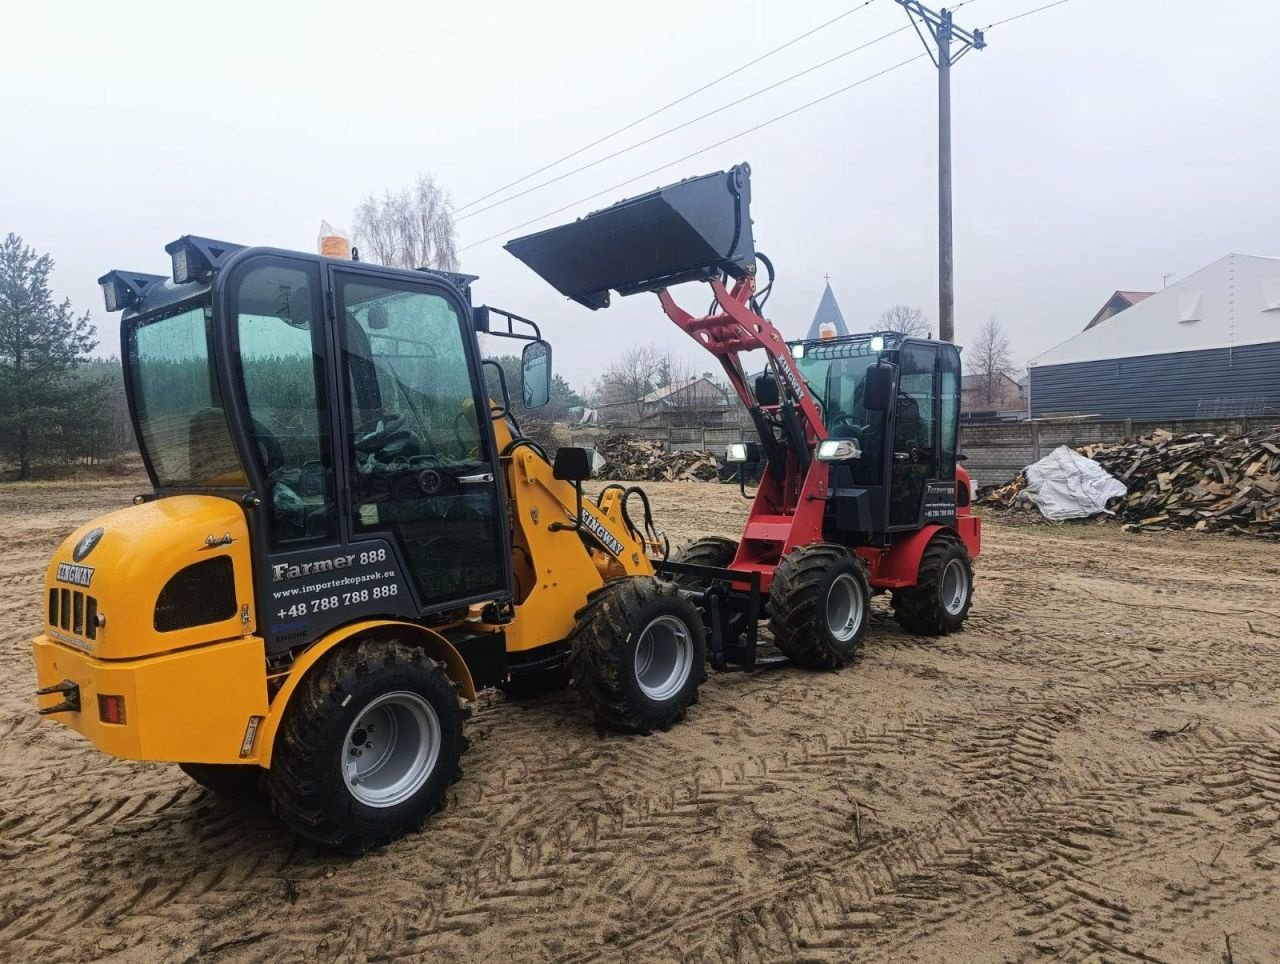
836 373
839 368
181 423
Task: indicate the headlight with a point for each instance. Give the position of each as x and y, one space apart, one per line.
737 452
196 259
124 289
877 344
839 449
797 351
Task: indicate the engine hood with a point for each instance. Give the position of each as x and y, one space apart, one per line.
111 572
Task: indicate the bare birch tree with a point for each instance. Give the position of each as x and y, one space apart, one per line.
905 320
410 228
990 354
632 376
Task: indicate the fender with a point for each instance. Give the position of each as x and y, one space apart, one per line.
897 568
435 645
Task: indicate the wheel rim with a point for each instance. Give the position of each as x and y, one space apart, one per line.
664 658
844 607
955 587
391 749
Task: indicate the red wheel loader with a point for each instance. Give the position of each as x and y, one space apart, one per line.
861 490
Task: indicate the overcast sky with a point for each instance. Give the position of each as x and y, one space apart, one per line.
1098 144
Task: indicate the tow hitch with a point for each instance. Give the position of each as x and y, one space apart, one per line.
70 702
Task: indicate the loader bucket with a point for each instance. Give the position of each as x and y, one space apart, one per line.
683 232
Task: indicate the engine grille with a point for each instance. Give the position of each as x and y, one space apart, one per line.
199 594
73 612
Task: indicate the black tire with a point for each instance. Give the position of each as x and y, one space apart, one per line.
226 779
715 551
306 782
935 605
608 655
807 583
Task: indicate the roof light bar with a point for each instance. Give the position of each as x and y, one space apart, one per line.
124 289
196 259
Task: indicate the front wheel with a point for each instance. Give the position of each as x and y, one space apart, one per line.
819 605
638 654
715 551
369 745
939 601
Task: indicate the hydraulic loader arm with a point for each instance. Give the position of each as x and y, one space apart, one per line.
736 328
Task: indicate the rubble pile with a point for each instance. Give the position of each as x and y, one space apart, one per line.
1199 481
629 458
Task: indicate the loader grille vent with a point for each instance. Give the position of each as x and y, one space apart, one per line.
73 612
197 595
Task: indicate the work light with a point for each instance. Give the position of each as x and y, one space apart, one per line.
124 289
839 449
742 452
797 351
196 259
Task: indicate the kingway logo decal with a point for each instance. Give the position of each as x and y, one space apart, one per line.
796 388
76 575
597 529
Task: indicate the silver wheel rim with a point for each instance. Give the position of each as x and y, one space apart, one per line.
955 587
664 658
391 749
844 607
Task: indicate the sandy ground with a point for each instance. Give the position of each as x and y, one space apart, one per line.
1091 771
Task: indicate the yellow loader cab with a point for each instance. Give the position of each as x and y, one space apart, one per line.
345 540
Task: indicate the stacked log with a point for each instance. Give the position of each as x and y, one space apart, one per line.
1197 480
629 458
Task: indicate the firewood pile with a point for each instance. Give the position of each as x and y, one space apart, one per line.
629 458
1199 481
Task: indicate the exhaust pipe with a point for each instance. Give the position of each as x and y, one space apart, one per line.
694 230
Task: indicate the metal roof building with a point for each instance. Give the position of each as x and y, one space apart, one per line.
1207 346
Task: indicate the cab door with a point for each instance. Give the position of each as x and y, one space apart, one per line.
419 458
916 434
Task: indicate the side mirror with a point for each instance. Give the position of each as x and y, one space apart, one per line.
378 319
877 391
571 464
535 374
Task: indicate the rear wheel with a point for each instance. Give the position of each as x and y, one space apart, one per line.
939 601
369 745
638 654
819 605
225 779
714 551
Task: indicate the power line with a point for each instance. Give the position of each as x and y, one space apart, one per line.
681 126
701 150
1026 13
665 107
749 130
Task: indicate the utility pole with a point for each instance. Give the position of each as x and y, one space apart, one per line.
943 31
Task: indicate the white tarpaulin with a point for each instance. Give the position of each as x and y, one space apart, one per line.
1066 485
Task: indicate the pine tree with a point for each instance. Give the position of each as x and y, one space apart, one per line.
41 345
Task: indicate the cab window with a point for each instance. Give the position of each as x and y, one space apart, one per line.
182 427
282 376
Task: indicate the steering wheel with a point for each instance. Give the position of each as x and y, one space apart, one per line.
373 435
849 429
269 448
460 421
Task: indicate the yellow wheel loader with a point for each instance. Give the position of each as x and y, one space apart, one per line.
345 539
